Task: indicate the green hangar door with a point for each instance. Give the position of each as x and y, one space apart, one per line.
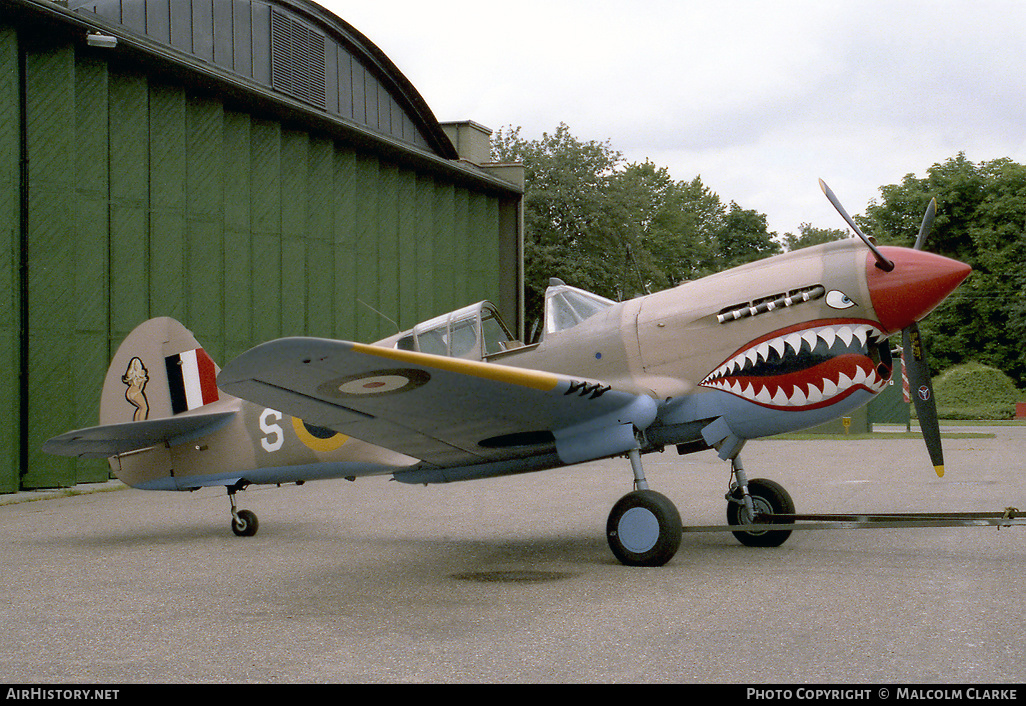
254 169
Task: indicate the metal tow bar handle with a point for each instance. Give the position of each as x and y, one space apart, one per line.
1008 518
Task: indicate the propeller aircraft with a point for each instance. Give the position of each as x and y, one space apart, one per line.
774 346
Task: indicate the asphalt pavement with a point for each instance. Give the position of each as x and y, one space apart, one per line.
511 580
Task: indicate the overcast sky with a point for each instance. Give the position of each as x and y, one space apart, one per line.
759 98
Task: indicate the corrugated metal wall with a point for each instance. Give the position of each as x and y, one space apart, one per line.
10 131
272 46
145 200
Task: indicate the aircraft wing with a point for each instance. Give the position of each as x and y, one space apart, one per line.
445 411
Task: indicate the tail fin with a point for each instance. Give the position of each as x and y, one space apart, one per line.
160 370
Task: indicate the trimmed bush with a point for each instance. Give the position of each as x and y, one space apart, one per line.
976 391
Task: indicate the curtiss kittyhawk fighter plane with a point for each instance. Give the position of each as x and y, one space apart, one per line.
773 346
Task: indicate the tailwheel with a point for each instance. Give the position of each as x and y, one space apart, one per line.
768 498
644 529
244 522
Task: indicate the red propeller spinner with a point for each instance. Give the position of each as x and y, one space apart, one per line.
918 283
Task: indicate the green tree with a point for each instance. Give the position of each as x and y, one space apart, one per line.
981 220
809 235
620 229
566 211
669 226
744 237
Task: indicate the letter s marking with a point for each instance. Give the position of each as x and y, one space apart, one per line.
271 430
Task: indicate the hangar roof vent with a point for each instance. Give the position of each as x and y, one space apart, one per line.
294 47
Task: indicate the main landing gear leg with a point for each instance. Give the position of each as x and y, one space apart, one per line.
644 527
740 486
244 522
639 472
746 500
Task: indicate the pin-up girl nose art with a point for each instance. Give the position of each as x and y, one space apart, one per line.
136 377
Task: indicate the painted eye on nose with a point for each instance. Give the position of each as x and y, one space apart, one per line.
837 299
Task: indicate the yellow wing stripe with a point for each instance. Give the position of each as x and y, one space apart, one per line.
498 373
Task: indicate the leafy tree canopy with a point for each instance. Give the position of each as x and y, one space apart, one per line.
620 229
981 216
809 235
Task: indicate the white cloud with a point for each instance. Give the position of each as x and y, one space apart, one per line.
760 98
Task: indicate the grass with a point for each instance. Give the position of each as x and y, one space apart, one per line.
876 436
914 434
31 496
981 422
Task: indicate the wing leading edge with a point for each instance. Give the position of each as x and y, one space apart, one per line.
446 411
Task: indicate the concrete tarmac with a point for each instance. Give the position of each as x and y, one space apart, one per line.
511 580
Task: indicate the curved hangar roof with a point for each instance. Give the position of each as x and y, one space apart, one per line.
293 47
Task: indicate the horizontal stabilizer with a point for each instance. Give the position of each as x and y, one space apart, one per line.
112 439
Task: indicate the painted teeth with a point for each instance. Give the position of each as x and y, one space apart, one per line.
803 394
828 335
830 389
794 342
814 396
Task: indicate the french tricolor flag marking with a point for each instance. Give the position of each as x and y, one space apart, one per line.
192 379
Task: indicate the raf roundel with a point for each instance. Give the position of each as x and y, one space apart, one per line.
374 385
380 382
318 438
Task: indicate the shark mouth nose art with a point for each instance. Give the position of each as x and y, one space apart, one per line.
808 366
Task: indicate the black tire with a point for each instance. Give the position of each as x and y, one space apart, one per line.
769 498
644 529
245 523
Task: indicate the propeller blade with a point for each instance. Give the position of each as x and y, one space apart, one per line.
924 229
922 394
882 262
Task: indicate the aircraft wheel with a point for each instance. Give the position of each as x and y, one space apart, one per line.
769 498
644 529
245 524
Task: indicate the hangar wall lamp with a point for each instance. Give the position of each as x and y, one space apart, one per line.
105 41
